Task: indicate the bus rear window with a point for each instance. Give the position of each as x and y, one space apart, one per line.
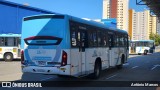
43 40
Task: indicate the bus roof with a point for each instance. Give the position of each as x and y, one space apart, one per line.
10 35
89 22
94 23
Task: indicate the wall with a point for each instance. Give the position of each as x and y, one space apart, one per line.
12 14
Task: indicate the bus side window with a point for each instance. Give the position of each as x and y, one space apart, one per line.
100 42
92 38
73 39
111 40
121 40
84 39
104 39
2 41
116 40
124 41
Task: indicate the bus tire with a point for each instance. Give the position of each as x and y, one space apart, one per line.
122 62
145 52
8 57
119 66
97 70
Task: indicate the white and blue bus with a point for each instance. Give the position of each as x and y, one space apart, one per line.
10 46
66 45
141 47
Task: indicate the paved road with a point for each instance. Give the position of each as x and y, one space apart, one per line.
138 68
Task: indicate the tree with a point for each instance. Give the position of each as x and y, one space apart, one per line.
156 38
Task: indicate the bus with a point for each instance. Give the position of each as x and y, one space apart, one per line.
142 47
10 46
66 45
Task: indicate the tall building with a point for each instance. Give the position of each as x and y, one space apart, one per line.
141 25
113 8
153 24
130 23
106 9
158 26
117 9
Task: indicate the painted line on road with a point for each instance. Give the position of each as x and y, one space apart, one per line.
126 64
111 76
135 67
155 66
45 79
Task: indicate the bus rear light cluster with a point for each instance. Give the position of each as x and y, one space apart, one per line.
64 59
22 57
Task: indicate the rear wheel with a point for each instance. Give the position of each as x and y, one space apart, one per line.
145 52
122 62
119 66
8 57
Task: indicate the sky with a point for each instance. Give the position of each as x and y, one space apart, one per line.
80 8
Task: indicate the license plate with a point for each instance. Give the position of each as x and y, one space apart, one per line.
42 63
40 70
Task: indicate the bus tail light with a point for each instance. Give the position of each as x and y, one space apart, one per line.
22 57
64 59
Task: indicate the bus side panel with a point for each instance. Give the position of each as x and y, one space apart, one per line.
91 55
113 56
116 55
75 61
94 53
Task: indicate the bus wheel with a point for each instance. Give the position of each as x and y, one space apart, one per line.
122 61
145 52
119 66
97 70
8 57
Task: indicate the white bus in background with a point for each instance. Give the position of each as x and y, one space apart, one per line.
10 46
142 47
66 45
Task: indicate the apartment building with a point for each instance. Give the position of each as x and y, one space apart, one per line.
141 25
117 9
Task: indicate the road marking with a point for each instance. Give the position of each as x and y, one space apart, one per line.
46 79
155 66
135 67
126 64
111 76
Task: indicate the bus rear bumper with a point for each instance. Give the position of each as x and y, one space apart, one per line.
47 70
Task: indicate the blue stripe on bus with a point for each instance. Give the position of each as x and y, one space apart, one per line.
58 54
27 54
140 49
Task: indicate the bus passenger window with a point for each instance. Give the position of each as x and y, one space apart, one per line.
1 41
145 43
104 41
73 39
116 40
100 39
111 41
92 39
83 40
9 41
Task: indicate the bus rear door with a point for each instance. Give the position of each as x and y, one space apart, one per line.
82 37
78 58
